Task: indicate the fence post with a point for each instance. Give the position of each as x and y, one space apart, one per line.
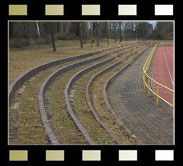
144 81
148 86
156 94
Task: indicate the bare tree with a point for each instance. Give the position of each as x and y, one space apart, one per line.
80 34
108 32
50 27
120 32
114 27
38 29
97 33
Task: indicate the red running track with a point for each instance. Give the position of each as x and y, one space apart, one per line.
163 72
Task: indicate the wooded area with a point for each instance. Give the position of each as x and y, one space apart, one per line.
23 34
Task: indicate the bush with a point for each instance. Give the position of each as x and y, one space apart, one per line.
43 41
21 43
65 36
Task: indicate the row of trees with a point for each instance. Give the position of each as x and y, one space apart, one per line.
89 31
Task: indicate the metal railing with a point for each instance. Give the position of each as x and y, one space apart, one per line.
146 83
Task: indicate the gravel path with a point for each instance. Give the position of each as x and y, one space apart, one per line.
150 123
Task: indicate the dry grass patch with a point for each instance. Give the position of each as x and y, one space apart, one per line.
132 54
21 61
30 129
162 42
95 130
96 95
67 131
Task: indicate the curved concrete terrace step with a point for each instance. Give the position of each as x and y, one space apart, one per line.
47 82
91 107
17 83
44 87
106 86
68 104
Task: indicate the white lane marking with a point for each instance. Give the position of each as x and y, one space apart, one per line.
171 53
167 67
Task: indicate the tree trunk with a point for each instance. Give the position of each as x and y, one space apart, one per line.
38 29
107 38
115 35
53 42
108 32
80 35
120 35
97 34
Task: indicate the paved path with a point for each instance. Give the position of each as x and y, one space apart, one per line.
151 124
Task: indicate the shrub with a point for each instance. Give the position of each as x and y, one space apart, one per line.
21 43
43 41
65 36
